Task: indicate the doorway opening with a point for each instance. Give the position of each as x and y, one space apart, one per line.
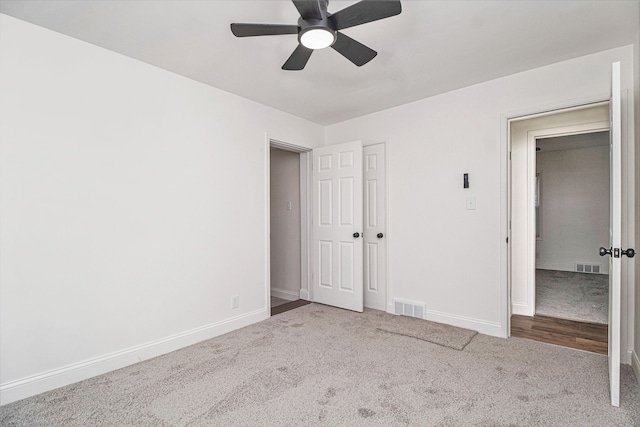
288 227
572 218
559 210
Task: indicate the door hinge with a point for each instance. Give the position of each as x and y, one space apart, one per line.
509 155
507 240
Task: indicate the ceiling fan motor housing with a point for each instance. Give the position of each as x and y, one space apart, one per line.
323 24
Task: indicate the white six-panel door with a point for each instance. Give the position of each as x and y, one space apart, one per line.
615 235
375 235
337 226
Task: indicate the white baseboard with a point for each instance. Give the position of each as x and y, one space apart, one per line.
555 266
304 294
36 384
391 309
285 294
568 267
484 327
635 364
521 309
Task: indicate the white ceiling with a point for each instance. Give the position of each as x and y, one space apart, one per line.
430 48
572 142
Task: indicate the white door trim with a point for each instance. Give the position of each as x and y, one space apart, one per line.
505 184
532 136
305 222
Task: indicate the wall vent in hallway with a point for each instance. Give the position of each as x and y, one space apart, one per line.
585 267
409 308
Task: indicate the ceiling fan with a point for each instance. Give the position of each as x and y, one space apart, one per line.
318 29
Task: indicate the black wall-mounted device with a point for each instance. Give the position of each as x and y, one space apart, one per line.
466 181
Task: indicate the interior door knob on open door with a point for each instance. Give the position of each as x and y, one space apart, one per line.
356 235
379 235
629 252
616 252
605 251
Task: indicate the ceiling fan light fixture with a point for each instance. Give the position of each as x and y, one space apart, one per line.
317 38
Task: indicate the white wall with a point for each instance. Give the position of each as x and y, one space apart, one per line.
454 259
574 208
132 208
285 224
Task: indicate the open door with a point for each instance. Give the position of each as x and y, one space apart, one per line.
337 226
615 249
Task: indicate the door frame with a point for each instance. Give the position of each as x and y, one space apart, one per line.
628 238
305 219
532 137
505 180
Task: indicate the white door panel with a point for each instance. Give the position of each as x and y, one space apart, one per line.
337 215
375 262
615 235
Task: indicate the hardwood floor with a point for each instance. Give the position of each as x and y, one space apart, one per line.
567 333
288 306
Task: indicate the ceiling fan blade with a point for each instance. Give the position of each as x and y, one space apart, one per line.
354 51
298 59
363 12
249 30
309 9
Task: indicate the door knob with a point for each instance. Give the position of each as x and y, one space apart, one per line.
605 251
356 235
629 252
380 235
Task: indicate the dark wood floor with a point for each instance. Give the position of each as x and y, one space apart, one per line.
567 333
288 306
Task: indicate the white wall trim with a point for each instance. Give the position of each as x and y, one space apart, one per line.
568 267
532 136
284 293
305 221
35 384
506 309
484 327
305 226
635 364
520 309
267 221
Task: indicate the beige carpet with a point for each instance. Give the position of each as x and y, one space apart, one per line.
318 365
436 333
575 296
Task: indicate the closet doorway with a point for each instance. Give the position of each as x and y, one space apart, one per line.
288 239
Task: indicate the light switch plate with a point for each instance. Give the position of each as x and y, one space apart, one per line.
471 203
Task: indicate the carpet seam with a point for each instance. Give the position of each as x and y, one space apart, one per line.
429 341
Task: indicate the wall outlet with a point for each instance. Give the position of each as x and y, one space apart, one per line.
235 301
